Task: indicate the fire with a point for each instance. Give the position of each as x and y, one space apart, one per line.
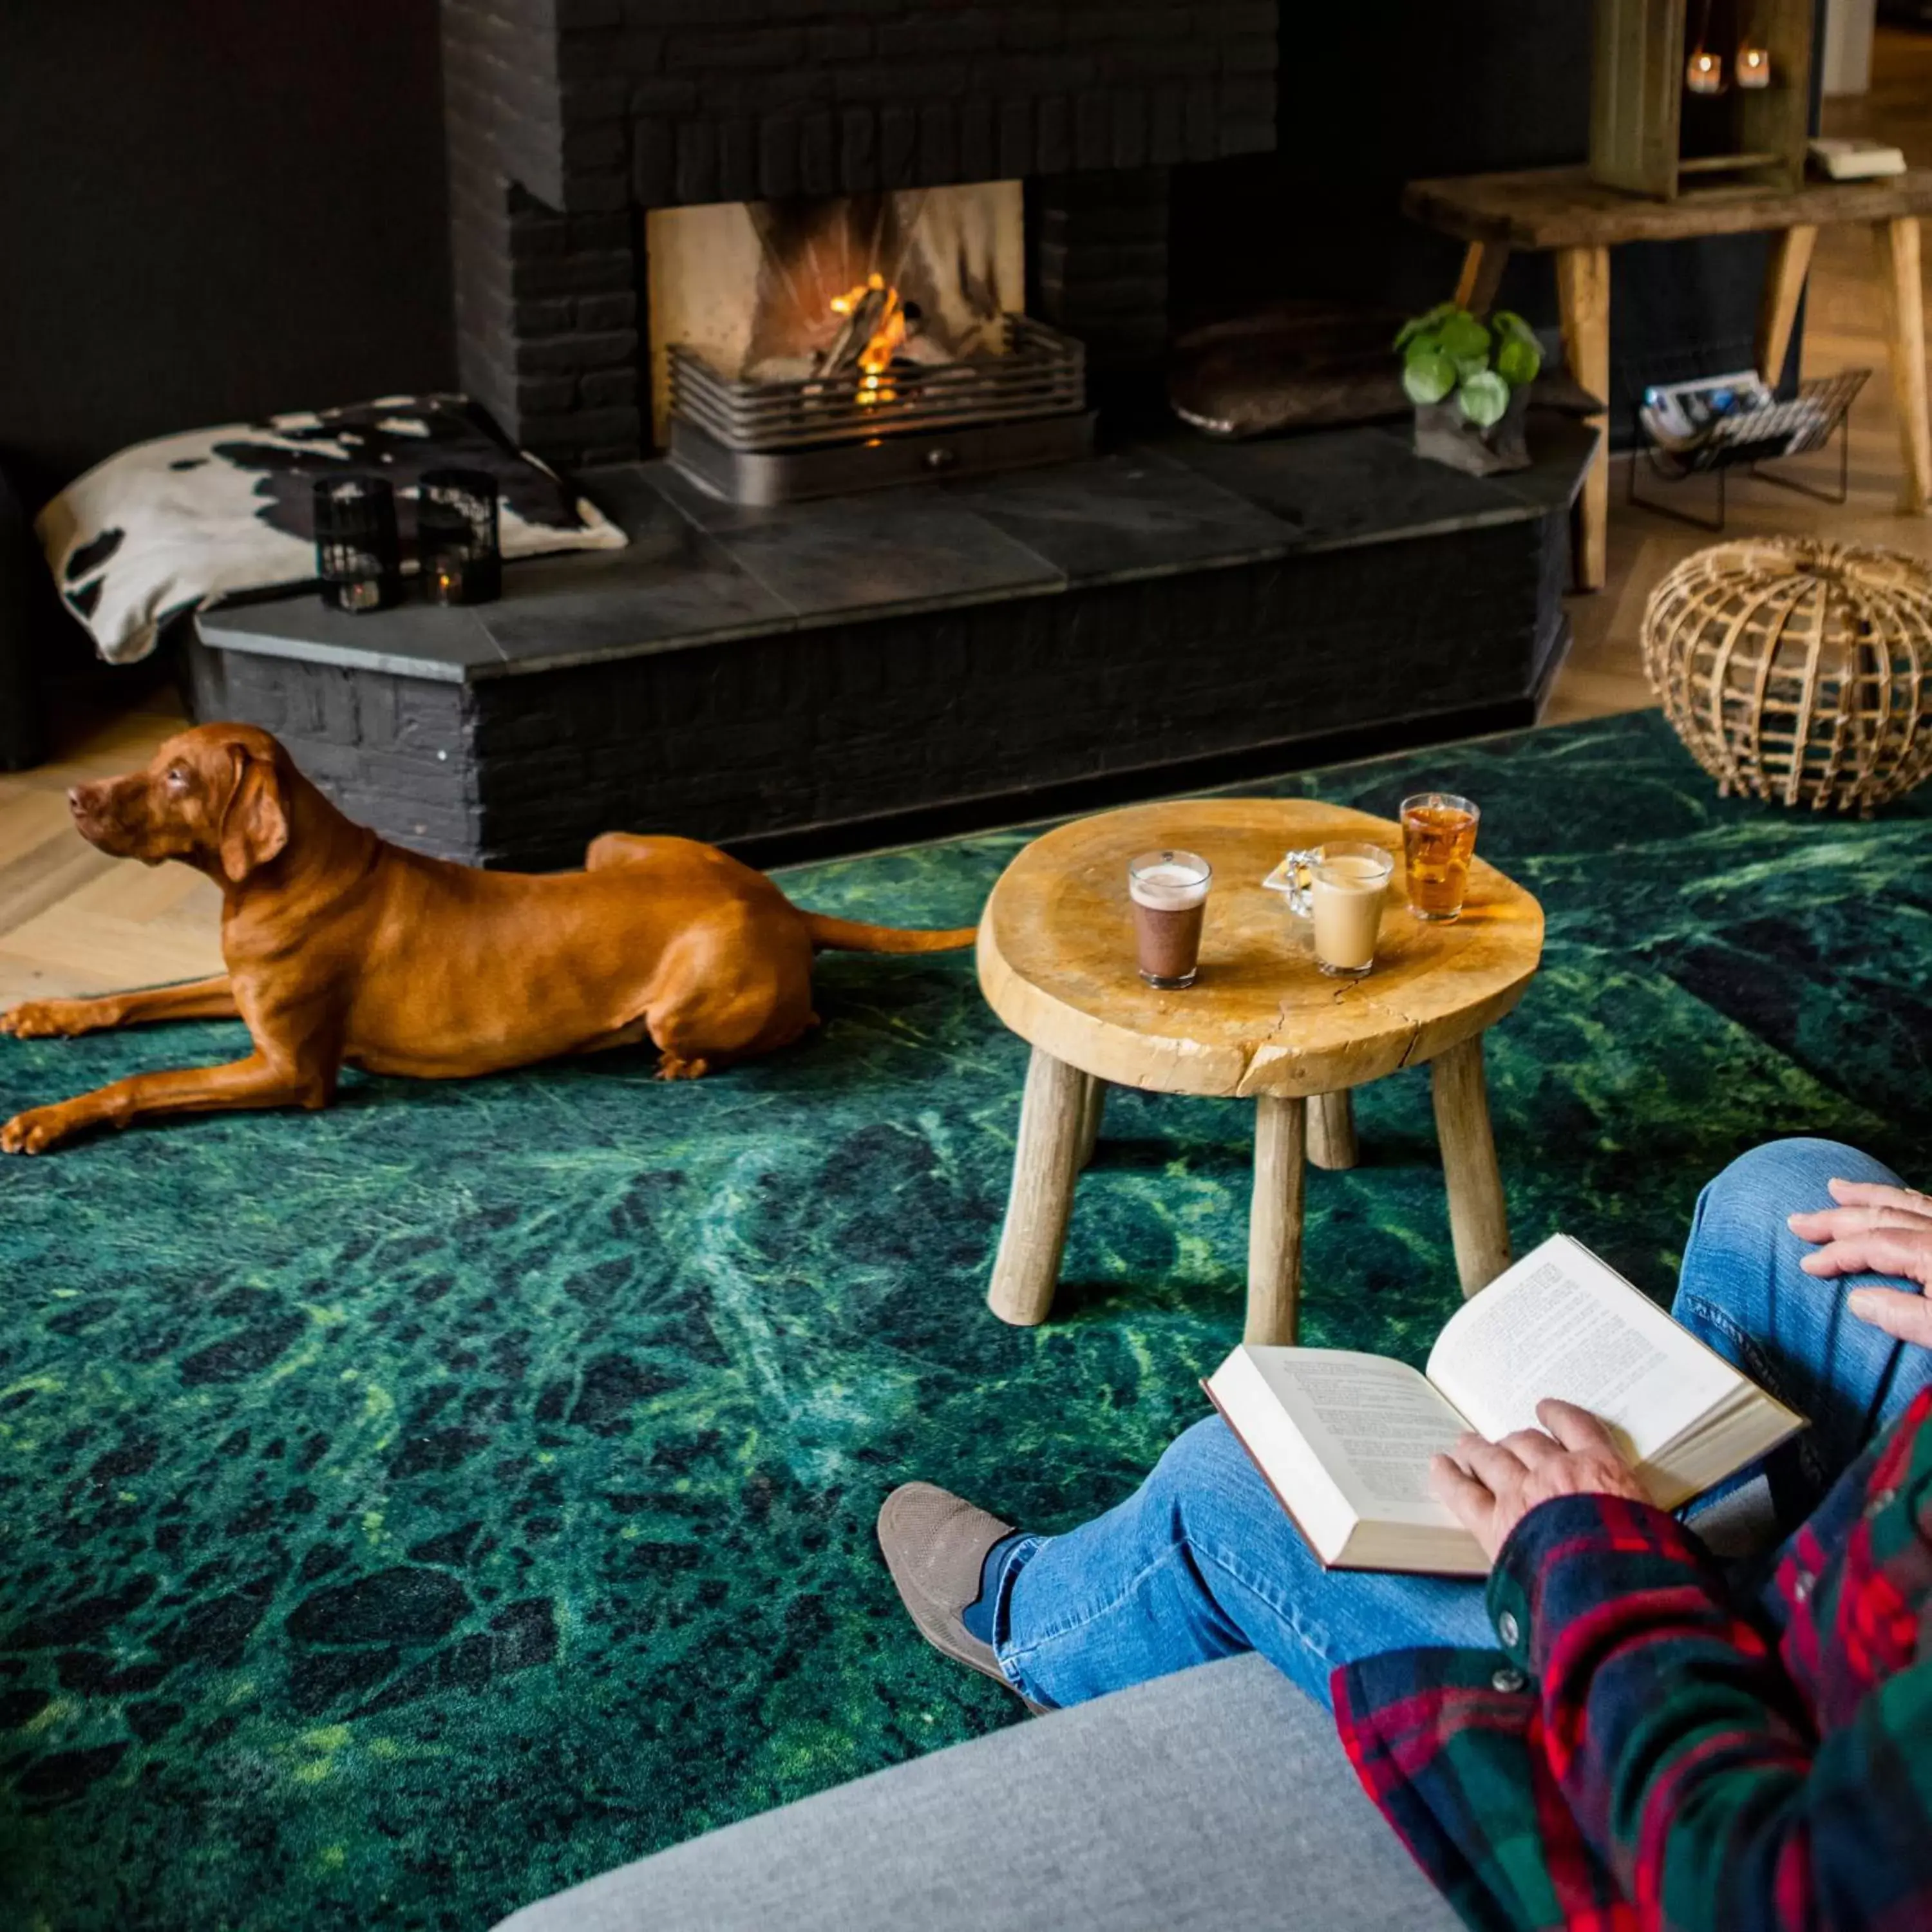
889 332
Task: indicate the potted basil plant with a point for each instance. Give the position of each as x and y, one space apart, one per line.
1469 381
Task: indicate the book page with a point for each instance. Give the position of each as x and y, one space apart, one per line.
1373 1424
1560 1323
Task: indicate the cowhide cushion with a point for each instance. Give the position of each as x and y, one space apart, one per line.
168 527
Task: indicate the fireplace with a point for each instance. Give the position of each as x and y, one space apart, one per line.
1004 166
795 231
817 346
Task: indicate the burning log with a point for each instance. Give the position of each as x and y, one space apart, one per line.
867 313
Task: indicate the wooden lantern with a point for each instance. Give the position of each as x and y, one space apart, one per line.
1652 132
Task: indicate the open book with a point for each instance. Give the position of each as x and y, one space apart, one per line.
1345 1439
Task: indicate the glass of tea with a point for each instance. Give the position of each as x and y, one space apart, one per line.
1438 840
1169 892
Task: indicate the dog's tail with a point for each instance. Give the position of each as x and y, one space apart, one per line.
847 935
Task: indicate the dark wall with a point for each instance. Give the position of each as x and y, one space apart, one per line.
212 210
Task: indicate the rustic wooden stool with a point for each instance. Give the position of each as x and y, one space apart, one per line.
1056 958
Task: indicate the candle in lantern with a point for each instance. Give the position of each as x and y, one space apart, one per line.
1705 74
1753 67
359 562
457 536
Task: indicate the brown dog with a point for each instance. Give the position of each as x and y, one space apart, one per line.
342 949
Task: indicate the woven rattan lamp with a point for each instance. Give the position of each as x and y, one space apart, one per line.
1797 670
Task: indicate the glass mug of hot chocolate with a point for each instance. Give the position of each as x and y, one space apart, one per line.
1341 897
1169 892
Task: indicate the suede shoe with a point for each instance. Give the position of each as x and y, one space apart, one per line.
935 1544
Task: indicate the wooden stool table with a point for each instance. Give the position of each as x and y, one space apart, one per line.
1262 1022
1563 210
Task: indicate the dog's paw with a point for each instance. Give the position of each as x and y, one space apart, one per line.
671 1067
35 1131
52 1019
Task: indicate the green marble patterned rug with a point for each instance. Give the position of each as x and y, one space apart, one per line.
413 1508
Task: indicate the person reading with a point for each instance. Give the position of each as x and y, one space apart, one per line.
1637 1720
1345 1441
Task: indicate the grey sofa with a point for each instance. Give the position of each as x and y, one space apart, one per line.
1218 1800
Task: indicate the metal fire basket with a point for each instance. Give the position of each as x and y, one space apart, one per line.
765 442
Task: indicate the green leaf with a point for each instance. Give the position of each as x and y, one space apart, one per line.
1518 362
1467 366
1464 337
1416 325
1484 398
1506 321
1429 377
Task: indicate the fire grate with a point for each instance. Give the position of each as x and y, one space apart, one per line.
1041 373
779 442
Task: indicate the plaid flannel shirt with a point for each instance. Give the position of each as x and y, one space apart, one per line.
1643 1752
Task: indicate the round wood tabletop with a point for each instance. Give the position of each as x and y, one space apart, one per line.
1056 958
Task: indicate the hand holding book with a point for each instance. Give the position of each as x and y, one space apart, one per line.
1489 1487
1349 1441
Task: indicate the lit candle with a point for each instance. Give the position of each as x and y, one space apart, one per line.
1753 67
1705 74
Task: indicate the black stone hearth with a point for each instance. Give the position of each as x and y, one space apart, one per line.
833 675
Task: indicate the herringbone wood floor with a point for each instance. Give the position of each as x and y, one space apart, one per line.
72 921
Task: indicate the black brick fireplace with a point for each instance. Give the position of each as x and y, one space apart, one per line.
791 677
568 120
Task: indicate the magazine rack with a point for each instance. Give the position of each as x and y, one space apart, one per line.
1796 427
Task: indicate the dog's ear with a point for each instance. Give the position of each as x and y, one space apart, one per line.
255 826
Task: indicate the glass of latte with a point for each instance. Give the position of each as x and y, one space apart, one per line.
1339 889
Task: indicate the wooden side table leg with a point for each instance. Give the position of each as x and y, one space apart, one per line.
1905 335
1093 1108
1027 1266
1783 284
1274 1221
1331 1130
1583 298
1478 1220
1482 266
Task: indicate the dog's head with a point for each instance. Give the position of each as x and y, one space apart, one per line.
217 797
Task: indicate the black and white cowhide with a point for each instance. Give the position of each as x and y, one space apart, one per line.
167 526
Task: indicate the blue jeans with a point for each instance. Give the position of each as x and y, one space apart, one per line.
1201 1560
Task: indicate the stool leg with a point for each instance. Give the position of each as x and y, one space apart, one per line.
1093 1105
1274 1221
1903 289
1478 1220
1783 284
1031 1244
1482 266
1583 300
1331 1130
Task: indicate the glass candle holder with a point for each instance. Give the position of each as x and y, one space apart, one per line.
357 556
456 537
1705 74
1753 67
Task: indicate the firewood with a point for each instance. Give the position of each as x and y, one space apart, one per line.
859 325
